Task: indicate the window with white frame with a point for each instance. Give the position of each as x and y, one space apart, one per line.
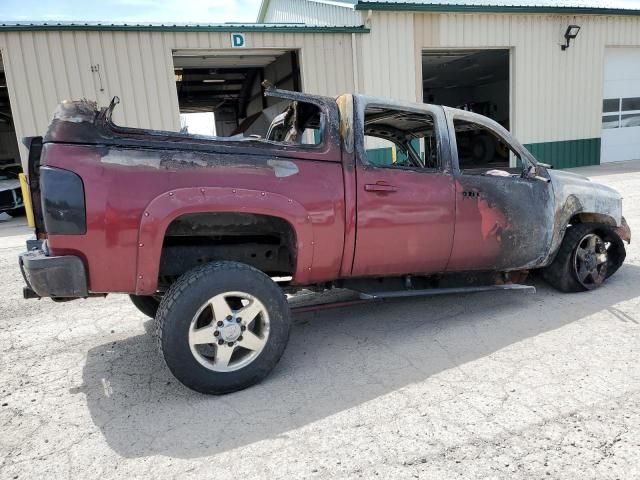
621 112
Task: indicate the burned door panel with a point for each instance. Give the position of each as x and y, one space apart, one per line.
504 216
502 223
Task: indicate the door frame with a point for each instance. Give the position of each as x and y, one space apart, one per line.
361 102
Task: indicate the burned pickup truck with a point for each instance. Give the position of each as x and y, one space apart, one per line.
209 235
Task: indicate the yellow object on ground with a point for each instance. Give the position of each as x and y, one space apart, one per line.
26 198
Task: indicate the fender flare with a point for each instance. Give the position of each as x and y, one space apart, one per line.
165 208
572 207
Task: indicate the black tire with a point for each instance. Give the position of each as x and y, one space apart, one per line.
182 302
146 304
17 212
561 272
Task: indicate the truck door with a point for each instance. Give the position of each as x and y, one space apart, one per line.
405 195
504 217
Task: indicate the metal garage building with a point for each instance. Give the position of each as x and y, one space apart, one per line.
573 106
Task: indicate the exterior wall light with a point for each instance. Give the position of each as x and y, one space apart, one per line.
570 34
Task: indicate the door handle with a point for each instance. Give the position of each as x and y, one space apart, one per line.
379 187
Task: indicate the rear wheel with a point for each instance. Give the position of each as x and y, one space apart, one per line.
588 255
146 304
222 327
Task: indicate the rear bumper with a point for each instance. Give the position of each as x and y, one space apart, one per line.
55 277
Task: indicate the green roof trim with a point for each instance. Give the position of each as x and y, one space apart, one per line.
228 28
460 8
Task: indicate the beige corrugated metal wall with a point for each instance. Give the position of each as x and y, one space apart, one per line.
556 95
385 57
43 68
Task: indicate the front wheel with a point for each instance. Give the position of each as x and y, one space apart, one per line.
588 255
222 327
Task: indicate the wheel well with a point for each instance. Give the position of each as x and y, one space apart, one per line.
585 217
262 241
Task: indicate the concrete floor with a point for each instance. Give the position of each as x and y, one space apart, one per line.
489 385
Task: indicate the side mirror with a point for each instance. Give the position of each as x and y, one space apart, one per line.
542 179
532 172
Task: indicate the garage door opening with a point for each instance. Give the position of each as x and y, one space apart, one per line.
621 105
220 92
10 166
477 81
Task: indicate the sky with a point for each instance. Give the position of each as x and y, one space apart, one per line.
171 11
131 11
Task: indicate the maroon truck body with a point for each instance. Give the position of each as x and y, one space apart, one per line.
196 228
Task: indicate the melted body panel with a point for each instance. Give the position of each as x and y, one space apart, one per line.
502 223
574 195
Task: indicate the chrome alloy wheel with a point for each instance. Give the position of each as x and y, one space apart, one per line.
229 331
590 261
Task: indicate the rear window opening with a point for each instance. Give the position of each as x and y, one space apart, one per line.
226 85
301 123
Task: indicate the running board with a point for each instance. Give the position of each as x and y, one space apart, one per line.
445 291
328 299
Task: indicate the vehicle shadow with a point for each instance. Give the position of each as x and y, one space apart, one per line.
336 359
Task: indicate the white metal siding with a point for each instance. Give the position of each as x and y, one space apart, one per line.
43 68
311 13
557 95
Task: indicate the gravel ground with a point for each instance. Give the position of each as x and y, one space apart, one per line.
487 385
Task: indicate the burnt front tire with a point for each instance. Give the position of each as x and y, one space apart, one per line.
222 327
588 255
146 304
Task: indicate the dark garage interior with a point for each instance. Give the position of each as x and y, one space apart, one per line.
477 81
224 88
9 154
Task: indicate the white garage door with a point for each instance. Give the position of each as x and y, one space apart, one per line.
621 105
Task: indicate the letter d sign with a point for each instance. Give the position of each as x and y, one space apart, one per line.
237 40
